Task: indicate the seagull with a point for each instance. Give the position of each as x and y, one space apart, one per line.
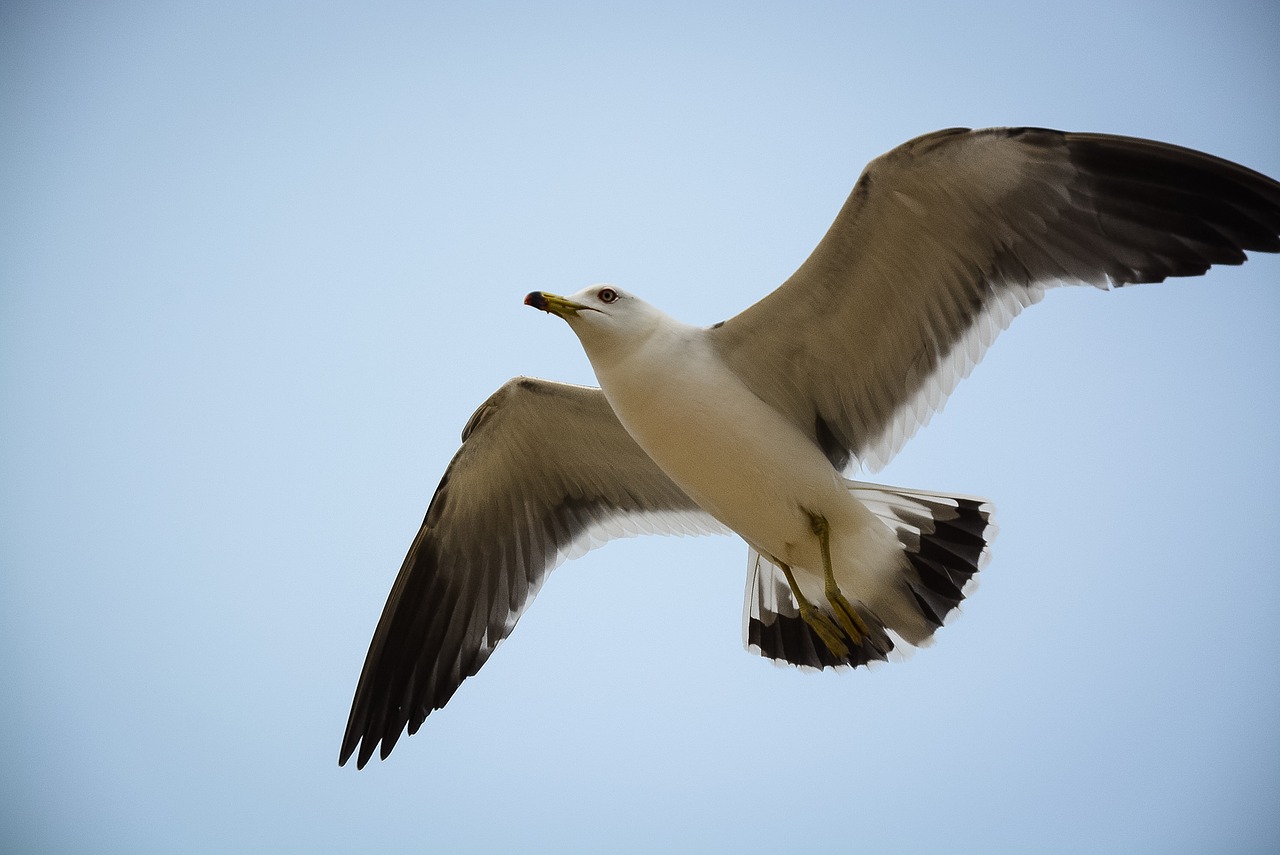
751 425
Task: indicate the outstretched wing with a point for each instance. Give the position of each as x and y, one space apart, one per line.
545 472
947 237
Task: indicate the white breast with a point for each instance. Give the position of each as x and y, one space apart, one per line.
732 453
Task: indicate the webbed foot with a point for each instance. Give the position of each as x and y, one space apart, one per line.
827 629
846 615
855 628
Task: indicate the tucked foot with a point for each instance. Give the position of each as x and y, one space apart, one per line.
853 625
846 615
827 629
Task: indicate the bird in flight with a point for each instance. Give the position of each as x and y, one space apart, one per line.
750 426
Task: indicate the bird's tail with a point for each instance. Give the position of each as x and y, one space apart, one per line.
944 540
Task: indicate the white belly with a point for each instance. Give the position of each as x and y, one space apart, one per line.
734 455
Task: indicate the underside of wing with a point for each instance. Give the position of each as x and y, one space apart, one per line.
545 472
946 238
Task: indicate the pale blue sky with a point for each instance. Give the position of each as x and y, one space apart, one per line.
260 261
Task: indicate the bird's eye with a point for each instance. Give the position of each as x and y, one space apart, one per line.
607 295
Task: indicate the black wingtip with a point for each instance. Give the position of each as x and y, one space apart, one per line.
349 746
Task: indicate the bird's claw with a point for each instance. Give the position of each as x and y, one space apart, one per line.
847 616
827 629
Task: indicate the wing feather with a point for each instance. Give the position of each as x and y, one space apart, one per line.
545 472
945 239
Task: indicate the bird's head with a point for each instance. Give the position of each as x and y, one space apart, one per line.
605 317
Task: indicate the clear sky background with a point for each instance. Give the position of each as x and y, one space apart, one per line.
260 261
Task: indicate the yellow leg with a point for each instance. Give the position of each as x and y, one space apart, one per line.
825 627
847 616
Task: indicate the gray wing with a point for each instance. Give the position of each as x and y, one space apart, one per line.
545 472
947 237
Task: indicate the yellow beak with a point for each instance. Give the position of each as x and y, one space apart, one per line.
553 304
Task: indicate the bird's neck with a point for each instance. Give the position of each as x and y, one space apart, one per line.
641 357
